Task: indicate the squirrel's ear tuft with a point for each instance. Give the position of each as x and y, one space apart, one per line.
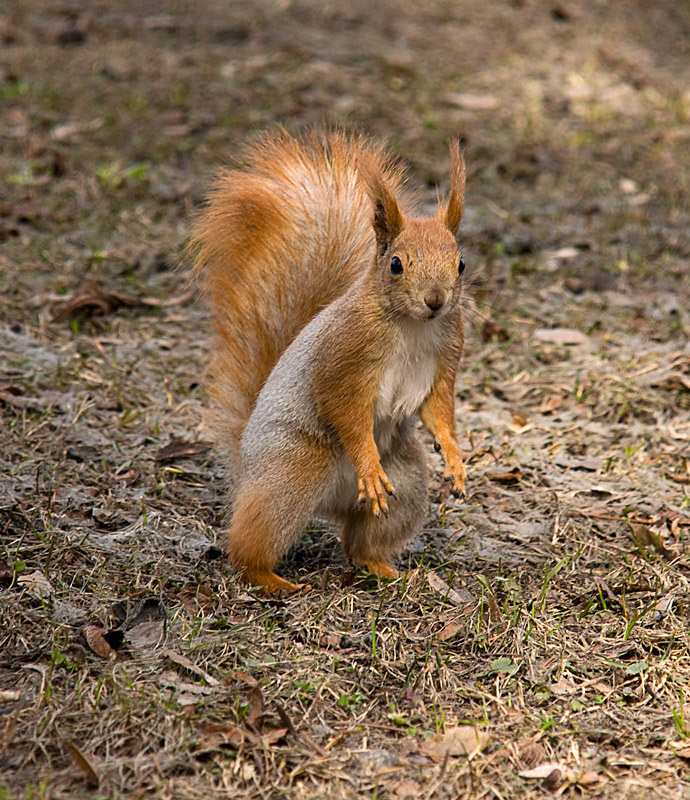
456 198
388 220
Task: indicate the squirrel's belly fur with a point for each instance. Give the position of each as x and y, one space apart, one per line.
412 367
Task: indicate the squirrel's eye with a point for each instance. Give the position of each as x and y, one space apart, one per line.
396 266
461 266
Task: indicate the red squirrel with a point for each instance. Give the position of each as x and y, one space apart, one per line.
338 320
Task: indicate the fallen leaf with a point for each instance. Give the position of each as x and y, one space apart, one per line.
134 612
183 661
461 740
563 687
100 642
530 754
146 635
254 715
80 760
274 735
644 535
665 604
448 631
93 297
239 675
560 336
493 332
36 583
179 448
216 734
542 771
672 476
512 476
588 778
437 583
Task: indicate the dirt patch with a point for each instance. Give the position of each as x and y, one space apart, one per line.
537 641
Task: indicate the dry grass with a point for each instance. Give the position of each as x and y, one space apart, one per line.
548 612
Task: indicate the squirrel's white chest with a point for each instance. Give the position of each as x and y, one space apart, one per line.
408 379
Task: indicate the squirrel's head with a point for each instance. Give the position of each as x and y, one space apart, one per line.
418 263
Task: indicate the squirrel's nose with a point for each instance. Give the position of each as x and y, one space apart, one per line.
434 299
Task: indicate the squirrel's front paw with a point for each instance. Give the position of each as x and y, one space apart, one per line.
370 486
455 472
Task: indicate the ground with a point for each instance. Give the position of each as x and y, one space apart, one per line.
537 639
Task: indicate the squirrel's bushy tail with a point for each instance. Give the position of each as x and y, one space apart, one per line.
278 241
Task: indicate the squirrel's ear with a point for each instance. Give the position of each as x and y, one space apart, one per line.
456 198
388 220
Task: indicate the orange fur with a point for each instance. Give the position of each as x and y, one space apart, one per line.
438 412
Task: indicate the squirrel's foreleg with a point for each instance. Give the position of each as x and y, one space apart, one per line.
345 391
438 416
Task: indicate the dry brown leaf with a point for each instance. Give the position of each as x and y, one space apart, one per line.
96 639
146 635
673 476
36 583
530 754
215 735
563 686
80 760
588 778
179 448
239 675
643 536
254 716
93 297
437 583
512 476
461 740
272 736
448 631
543 771
561 336
330 640
183 661
491 331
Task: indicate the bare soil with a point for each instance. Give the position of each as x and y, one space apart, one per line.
537 641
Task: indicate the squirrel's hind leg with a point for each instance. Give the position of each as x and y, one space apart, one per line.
271 511
373 542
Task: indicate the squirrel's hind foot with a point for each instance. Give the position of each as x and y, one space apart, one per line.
382 568
273 585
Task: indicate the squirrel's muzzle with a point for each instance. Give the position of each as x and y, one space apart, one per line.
435 299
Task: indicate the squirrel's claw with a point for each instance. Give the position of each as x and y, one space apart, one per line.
455 472
372 488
